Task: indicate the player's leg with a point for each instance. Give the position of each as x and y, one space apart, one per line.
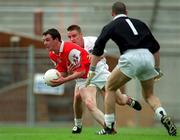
155 104
77 108
115 80
89 98
123 99
123 89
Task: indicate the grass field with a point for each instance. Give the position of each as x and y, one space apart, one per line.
50 133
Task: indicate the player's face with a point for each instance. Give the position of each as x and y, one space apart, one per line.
75 37
49 42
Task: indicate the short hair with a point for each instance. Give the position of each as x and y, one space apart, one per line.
119 8
54 33
74 27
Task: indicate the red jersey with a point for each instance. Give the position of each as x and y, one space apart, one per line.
70 53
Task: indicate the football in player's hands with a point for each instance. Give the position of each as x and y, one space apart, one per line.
51 74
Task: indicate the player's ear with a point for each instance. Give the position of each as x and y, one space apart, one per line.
81 34
126 12
113 14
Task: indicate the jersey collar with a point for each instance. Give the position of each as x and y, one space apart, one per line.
120 15
61 47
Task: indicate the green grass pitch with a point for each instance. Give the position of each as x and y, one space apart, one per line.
59 133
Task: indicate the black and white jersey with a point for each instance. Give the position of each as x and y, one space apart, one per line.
127 33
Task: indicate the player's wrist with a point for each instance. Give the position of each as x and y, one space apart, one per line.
92 68
157 69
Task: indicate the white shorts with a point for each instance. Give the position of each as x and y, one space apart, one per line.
137 63
101 75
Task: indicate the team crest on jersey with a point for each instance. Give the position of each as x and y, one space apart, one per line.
74 57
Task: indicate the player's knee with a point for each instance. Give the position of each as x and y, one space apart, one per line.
90 104
77 97
122 99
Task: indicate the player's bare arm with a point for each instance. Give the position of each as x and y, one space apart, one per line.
75 75
62 80
90 56
91 73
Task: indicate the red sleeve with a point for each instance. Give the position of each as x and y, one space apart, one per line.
84 64
61 68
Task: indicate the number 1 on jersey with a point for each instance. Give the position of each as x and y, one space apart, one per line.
132 27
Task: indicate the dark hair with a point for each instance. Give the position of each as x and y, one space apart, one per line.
74 27
54 33
119 8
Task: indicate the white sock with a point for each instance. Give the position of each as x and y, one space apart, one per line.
78 122
109 119
160 112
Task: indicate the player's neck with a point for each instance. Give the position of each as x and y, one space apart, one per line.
82 43
57 48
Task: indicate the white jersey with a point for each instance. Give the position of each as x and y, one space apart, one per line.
102 69
89 42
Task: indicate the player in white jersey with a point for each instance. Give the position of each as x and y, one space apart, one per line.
88 95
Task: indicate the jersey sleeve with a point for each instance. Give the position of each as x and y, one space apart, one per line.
74 57
101 41
61 68
78 58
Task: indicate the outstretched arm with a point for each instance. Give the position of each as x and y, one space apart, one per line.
91 73
94 60
157 59
157 66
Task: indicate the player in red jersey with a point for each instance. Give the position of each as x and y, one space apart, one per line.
64 54
71 54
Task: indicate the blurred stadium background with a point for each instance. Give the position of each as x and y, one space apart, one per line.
22 57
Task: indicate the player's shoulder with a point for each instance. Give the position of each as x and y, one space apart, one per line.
90 38
51 53
68 43
89 42
53 56
136 20
72 48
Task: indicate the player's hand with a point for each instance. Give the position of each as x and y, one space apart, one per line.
71 68
89 57
59 81
91 74
160 74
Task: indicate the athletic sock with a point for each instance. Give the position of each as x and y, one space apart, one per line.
160 112
109 119
78 122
